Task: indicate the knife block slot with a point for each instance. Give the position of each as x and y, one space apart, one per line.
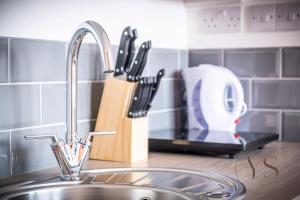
130 143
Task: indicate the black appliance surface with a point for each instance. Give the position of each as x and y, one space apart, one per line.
208 142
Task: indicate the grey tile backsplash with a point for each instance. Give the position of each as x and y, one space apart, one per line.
260 121
37 60
290 126
197 57
3 60
252 62
277 94
20 106
33 96
4 153
291 62
33 93
165 120
246 88
271 81
90 66
30 155
162 58
53 98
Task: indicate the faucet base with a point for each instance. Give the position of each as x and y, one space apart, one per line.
70 177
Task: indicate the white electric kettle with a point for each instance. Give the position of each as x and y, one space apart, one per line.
215 98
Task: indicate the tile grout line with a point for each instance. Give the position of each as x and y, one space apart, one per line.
222 57
11 159
280 63
66 50
270 78
52 82
34 83
250 93
242 18
280 125
45 125
165 110
178 60
171 79
8 60
280 77
41 107
274 14
274 110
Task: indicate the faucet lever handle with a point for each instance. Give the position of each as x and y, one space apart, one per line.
32 137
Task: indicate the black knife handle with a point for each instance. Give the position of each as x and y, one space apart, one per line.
131 50
123 51
135 100
139 108
144 61
136 64
159 76
150 83
154 89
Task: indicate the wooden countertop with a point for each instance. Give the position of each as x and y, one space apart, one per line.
285 157
266 185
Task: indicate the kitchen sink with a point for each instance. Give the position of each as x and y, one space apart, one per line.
130 184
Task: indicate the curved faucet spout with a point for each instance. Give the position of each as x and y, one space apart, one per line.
72 61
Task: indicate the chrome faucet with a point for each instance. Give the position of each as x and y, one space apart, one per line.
71 154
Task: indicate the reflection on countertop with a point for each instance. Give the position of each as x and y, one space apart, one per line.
283 155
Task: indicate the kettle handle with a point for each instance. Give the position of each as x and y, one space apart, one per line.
238 98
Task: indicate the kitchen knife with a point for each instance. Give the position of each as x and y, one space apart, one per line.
149 92
138 62
144 61
155 88
136 98
123 51
145 95
131 50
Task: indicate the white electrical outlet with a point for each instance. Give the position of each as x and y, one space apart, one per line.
288 16
260 18
219 20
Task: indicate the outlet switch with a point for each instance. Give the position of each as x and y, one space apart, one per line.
288 16
219 20
260 18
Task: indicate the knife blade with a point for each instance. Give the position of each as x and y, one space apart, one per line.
138 62
131 50
136 98
123 51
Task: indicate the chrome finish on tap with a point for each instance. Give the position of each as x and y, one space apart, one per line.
72 60
71 154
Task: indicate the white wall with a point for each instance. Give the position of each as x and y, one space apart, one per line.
243 39
162 21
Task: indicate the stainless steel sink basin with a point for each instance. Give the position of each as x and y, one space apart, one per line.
90 192
130 184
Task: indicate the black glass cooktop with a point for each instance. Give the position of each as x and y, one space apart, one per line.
208 142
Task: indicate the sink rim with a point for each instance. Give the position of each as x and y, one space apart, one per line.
239 187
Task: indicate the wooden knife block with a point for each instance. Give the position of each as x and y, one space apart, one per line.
130 143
